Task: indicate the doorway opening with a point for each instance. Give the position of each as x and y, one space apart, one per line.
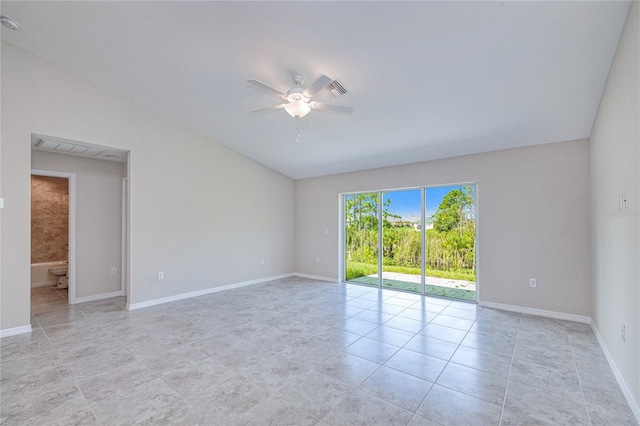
421 240
100 269
53 229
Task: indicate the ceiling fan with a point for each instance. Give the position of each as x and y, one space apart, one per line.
299 102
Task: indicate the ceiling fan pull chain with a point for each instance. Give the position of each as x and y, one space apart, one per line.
297 129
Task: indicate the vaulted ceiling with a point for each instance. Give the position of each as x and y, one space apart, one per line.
427 80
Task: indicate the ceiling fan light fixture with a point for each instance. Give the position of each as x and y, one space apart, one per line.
297 109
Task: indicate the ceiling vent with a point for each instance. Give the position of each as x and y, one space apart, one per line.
64 146
335 89
51 145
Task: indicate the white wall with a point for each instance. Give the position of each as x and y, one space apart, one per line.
532 212
98 218
615 159
200 212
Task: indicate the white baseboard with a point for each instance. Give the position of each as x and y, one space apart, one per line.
147 303
538 312
43 284
314 277
99 296
633 404
15 330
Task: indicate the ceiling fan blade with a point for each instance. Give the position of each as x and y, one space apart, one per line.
338 109
265 88
267 110
315 88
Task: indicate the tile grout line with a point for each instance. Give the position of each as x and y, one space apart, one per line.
584 399
506 389
182 398
449 362
414 413
73 378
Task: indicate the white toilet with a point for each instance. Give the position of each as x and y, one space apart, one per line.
61 273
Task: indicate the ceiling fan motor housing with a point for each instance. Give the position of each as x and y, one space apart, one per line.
295 95
298 80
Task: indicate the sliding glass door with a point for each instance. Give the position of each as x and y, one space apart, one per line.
361 237
402 240
421 240
450 241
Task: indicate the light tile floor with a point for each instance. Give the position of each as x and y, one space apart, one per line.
301 352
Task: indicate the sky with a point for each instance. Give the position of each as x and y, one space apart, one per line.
407 203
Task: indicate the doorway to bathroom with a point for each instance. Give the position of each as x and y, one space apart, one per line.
97 192
53 237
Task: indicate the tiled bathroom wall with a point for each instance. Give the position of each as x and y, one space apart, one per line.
49 219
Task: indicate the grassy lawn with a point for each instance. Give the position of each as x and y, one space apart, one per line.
357 269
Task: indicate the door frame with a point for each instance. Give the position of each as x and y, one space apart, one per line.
72 224
124 265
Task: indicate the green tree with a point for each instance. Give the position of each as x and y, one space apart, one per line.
454 210
455 226
362 211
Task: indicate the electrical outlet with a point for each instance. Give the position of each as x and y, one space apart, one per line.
261 261
532 282
114 270
326 231
623 330
317 260
161 275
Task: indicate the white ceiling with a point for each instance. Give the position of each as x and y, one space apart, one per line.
428 80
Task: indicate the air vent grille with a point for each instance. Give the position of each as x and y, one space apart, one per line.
51 145
64 146
336 89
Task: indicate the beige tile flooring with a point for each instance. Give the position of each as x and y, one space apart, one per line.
298 352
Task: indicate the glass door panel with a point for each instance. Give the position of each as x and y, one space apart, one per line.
361 238
402 240
450 241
